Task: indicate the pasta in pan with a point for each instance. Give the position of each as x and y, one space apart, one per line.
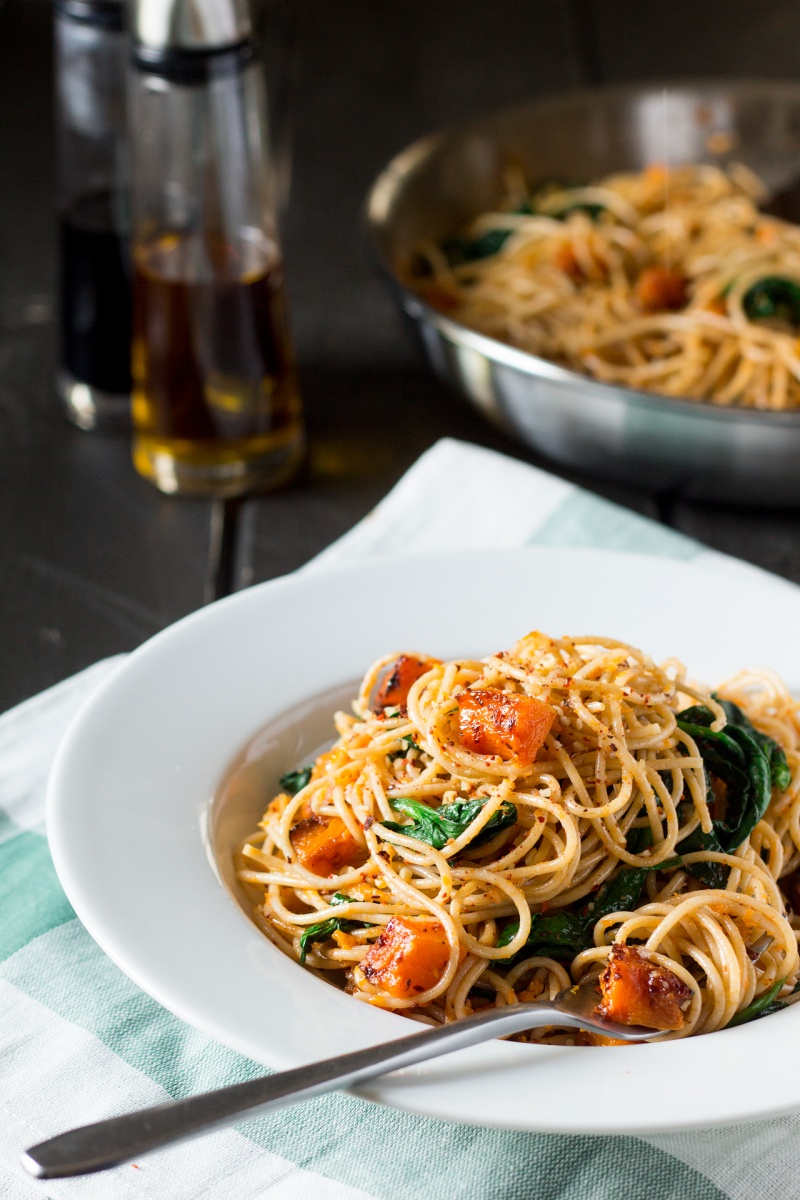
671 281
489 831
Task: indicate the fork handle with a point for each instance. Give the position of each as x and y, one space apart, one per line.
108 1143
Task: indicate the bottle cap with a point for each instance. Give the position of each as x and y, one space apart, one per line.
164 26
105 14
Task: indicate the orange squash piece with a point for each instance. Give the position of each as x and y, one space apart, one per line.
658 288
636 991
324 845
398 681
717 305
566 261
331 760
503 723
409 957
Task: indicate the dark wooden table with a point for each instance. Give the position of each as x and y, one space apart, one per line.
92 559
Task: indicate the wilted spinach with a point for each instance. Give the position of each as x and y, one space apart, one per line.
592 211
749 763
294 781
323 929
712 874
460 250
565 934
436 826
639 840
775 297
550 188
409 744
762 1006
780 773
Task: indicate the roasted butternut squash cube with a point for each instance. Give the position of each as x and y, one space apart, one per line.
276 806
325 845
636 991
398 681
659 288
409 957
566 261
331 760
503 723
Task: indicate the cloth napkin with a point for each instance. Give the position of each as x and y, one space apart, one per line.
79 1041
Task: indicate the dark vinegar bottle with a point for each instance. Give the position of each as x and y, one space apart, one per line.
94 377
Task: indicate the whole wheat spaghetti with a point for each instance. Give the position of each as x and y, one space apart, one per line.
670 281
488 831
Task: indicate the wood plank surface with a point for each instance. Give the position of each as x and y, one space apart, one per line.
766 538
92 559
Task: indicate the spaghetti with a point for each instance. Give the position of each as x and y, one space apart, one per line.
670 281
484 832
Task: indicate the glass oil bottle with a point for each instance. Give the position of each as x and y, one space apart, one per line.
216 407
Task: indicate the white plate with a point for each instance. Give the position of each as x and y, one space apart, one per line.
130 800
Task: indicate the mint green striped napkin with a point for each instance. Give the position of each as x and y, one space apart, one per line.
79 1041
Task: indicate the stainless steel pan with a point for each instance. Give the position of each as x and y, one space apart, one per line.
439 183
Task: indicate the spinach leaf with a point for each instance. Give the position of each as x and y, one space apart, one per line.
561 935
639 840
436 826
762 1006
554 186
620 894
294 781
323 929
780 775
775 297
565 934
712 874
750 764
460 250
592 211
409 743
737 758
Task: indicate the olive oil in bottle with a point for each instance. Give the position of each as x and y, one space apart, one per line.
214 392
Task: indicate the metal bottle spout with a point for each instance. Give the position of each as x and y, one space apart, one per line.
193 25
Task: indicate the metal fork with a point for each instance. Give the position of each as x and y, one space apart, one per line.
105 1144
